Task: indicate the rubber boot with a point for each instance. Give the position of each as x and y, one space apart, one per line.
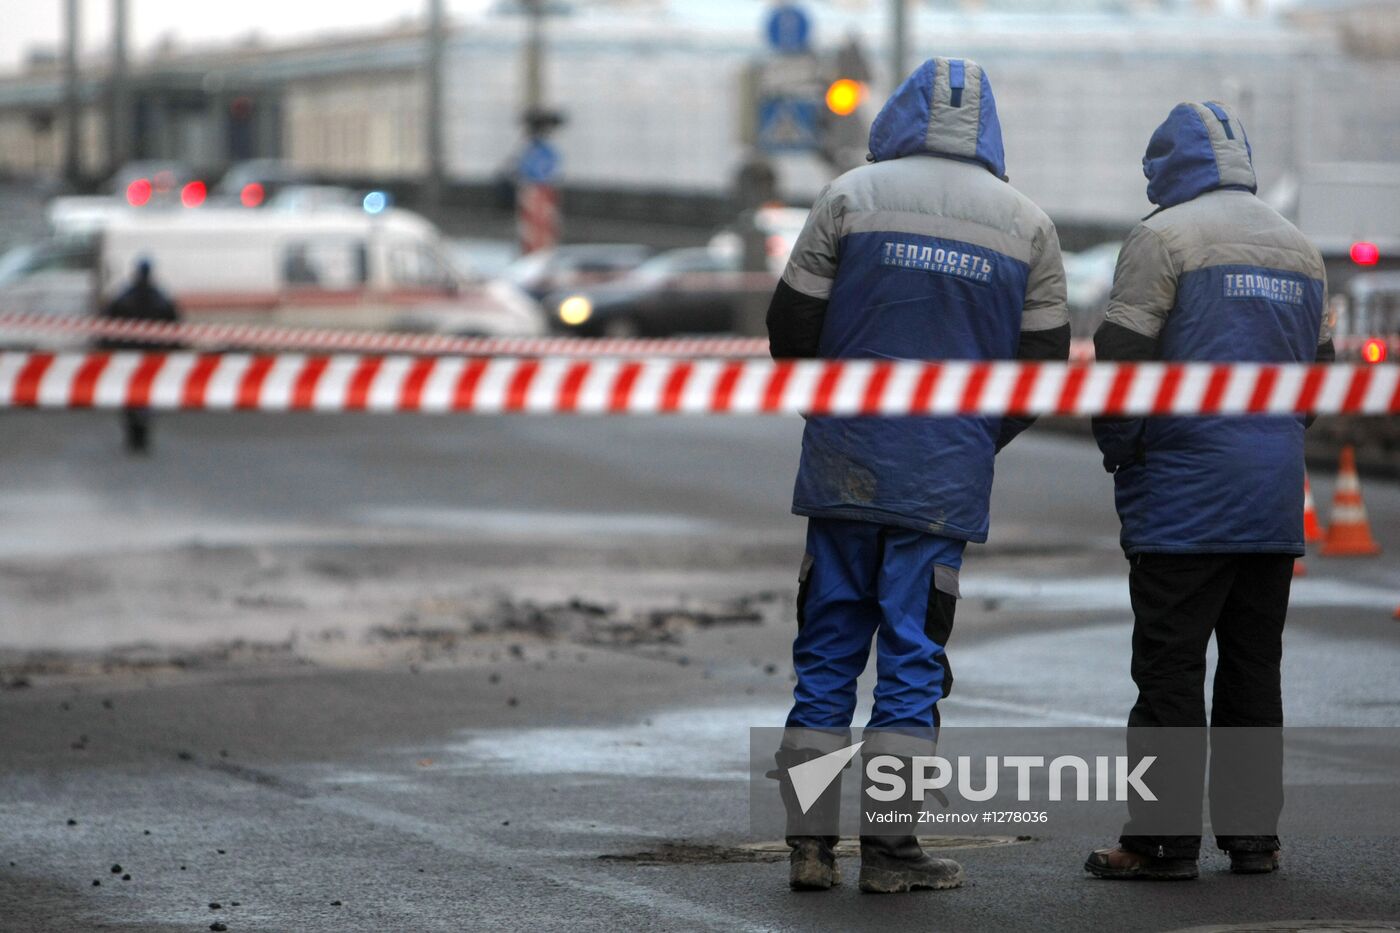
893 864
1253 863
813 858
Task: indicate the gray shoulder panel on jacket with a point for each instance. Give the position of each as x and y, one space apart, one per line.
811 269
1144 283
1047 303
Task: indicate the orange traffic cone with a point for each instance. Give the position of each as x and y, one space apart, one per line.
1312 528
1350 532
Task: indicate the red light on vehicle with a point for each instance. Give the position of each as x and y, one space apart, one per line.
252 195
1365 254
1374 351
138 193
193 194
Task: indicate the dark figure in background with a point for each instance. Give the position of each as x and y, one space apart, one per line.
141 301
1211 508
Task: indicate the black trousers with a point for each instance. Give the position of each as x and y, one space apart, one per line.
1178 602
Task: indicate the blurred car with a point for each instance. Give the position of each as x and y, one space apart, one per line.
82 214
158 184
685 291
1371 307
343 269
1088 281
309 198
52 277
339 269
575 266
483 257
253 183
778 226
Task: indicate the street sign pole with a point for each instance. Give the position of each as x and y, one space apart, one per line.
538 217
435 182
899 41
537 198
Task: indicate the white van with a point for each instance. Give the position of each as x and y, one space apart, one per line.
331 268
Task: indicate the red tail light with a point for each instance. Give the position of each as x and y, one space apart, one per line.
138 193
1374 351
193 194
252 195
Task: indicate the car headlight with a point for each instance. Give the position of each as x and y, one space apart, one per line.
575 310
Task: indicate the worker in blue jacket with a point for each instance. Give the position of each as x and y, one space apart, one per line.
1211 507
925 254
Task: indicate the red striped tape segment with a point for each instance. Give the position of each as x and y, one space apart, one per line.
659 385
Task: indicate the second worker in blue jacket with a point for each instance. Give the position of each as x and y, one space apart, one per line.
926 254
1211 507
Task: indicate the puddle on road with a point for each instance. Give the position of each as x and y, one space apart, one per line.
686 853
525 523
705 745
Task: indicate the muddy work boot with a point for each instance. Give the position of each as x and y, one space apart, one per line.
892 862
812 832
812 864
895 864
1119 864
1253 863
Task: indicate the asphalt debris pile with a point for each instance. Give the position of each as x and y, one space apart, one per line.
440 630
19 668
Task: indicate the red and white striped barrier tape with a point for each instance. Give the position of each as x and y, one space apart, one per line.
366 341
295 382
255 336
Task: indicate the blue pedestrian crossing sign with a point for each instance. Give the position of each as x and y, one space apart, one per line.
539 163
787 124
790 30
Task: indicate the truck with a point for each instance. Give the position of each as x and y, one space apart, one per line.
334 268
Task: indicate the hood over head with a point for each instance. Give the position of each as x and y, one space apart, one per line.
944 108
1199 148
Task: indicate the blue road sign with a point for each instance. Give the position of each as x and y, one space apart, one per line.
787 124
790 30
540 163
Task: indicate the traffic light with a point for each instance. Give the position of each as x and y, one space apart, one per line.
845 96
842 131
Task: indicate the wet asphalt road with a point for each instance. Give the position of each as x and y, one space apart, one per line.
381 770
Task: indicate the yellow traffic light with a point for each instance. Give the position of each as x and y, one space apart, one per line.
844 96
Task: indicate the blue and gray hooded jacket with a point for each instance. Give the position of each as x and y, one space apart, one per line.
1214 275
927 254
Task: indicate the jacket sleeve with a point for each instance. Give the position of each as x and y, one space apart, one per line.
1045 331
1144 291
798 309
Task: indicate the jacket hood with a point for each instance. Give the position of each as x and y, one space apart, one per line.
1200 147
944 108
